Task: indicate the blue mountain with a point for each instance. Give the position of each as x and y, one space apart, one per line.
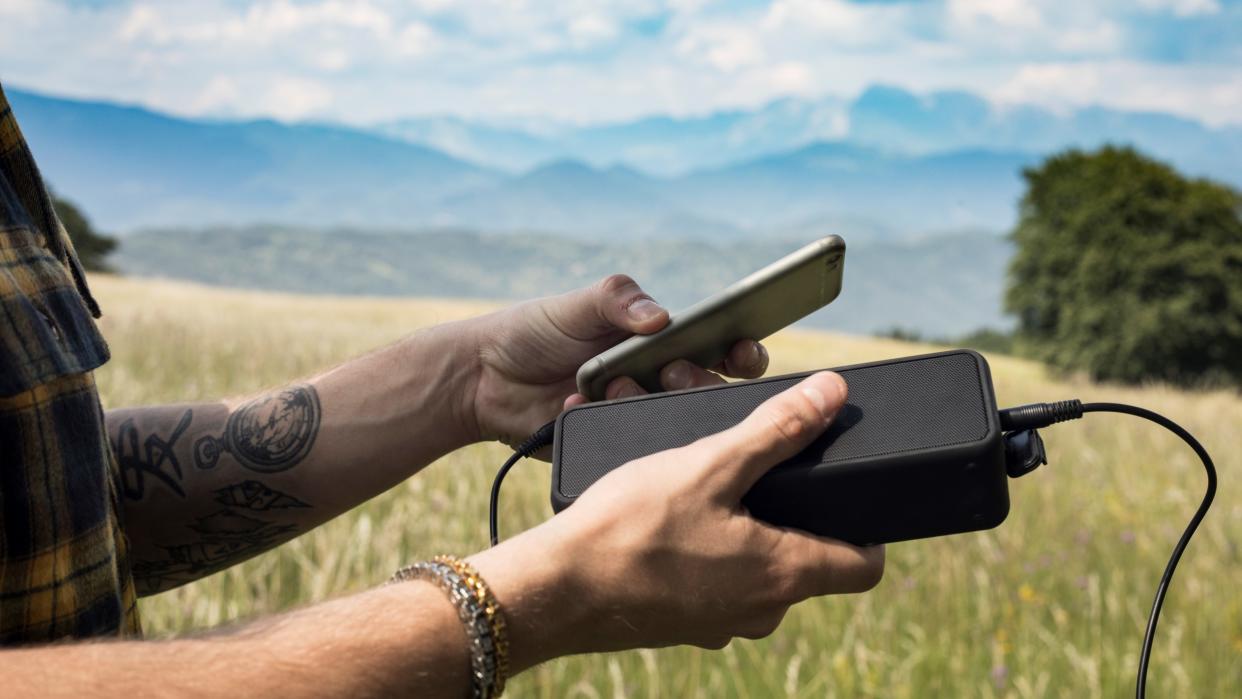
131 167
660 145
887 165
940 122
886 118
860 185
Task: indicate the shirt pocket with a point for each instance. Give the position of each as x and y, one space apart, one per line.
46 330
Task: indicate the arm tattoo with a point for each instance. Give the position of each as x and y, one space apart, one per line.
253 495
157 458
268 434
223 539
226 538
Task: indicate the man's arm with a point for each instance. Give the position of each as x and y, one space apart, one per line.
208 485
658 552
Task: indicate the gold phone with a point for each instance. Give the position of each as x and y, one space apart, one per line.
752 308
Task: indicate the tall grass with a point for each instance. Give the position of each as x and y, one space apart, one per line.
1050 604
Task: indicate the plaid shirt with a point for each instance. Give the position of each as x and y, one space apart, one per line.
64 570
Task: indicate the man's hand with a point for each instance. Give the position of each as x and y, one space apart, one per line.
658 552
661 551
529 355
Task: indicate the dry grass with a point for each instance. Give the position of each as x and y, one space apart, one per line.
1050 604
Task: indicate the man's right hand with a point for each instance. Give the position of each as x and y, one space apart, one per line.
661 552
658 552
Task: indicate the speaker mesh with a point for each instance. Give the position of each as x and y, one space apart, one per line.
903 405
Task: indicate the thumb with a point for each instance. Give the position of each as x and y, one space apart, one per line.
782 426
615 303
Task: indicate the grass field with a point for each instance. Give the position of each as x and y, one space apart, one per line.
1050 604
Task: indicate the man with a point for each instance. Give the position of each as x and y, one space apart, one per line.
97 506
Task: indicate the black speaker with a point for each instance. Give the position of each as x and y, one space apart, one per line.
916 452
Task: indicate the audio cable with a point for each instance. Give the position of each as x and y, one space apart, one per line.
1024 453
1020 424
541 438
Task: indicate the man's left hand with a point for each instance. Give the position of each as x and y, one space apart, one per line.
529 355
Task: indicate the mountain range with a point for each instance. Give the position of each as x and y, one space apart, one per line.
887 165
886 118
948 285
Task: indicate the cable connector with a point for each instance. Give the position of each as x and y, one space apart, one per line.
1036 415
541 438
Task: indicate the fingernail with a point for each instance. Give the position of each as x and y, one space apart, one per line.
758 355
677 375
644 309
821 402
842 389
817 399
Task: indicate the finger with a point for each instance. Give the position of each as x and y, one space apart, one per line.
776 430
574 400
615 303
680 374
747 359
824 566
623 387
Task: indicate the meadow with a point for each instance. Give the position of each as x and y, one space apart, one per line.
1050 604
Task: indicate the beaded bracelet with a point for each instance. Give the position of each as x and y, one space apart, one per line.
479 612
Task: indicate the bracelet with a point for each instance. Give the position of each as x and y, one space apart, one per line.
491 607
479 612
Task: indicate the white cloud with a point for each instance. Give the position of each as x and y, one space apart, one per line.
588 30
583 60
295 98
1104 37
726 47
1183 8
260 24
219 95
416 39
993 14
836 22
1211 95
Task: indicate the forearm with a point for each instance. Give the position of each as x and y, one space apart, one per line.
397 640
207 485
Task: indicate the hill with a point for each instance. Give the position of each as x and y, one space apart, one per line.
130 167
942 286
882 116
1049 604
887 165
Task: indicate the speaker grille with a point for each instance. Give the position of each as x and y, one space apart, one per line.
902 405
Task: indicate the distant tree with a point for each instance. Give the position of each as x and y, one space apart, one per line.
1128 270
92 246
897 332
986 340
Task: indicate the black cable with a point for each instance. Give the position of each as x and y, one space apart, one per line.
1027 417
1044 414
1163 588
541 438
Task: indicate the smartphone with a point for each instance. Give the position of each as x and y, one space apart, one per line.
752 308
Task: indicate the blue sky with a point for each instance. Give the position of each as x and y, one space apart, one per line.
567 60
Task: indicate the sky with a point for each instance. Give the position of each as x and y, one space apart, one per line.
570 61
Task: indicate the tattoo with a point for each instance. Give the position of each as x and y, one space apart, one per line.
268 434
156 459
227 538
253 495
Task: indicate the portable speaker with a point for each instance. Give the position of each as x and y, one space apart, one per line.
917 450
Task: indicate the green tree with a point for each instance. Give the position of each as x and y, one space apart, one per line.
92 246
1128 270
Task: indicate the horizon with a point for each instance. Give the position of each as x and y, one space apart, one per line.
552 129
